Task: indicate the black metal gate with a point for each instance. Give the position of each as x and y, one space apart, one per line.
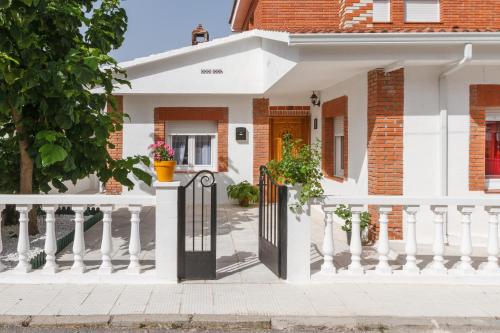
272 223
197 228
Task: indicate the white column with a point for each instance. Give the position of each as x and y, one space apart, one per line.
298 268
356 247
2 266
383 266
410 266
79 241
107 240
166 230
328 266
465 265
23 243
491 267
134 246
437 264
50 248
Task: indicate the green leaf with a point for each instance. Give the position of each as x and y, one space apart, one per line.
52 154
5 3
49 136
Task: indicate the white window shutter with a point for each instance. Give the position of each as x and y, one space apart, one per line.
338 126
381 10
422 11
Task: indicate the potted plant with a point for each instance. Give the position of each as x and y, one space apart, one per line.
164 161
244 192
345 214
300 168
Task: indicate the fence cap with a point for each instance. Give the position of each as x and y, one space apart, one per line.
162 185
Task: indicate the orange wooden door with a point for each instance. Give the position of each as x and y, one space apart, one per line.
297 127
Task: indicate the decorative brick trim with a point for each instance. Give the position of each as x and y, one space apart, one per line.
218 114
385 141
116 138
289 111
482 96
261 133
334 108
356 13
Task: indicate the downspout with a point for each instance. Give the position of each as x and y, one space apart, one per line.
443 107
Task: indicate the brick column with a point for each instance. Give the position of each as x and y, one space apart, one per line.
260 135
385 141
116 138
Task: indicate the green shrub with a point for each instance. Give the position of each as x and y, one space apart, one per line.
345 213
244 192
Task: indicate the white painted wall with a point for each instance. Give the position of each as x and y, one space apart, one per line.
138 133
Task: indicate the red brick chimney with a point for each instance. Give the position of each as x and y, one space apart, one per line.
200 35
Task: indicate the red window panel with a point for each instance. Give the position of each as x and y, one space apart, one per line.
493 149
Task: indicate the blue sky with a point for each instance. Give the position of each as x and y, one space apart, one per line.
159 25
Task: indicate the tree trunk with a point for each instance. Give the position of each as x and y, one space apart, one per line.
26 171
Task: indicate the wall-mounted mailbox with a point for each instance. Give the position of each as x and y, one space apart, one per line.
241 134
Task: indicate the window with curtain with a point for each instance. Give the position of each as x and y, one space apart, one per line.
194 143
422 11
493 149
381 11
338 146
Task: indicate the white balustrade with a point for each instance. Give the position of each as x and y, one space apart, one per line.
23 243
328 266
437 265
2 266
79 242
135 240
356 247
465 265
493 248
383 249
410 267
107 240
50 248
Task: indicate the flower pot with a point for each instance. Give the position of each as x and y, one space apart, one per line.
244 202
363 234
165 170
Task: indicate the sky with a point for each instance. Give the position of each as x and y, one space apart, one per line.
159 25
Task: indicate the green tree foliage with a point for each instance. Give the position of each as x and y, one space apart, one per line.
55 79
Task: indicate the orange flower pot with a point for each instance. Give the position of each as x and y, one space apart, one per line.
165 170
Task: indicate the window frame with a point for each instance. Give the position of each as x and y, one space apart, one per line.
338 156
492 181
437 19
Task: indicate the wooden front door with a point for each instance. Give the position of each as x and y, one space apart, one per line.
297 127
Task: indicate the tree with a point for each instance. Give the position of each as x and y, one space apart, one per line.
56 77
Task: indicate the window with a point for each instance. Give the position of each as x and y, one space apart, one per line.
492 146
338 146
381 10
422 11
195 144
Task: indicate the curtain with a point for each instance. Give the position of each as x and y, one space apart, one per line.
203 150
180 145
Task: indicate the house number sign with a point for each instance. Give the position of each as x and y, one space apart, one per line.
207 71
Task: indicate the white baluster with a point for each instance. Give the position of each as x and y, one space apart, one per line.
356 247
79 241
437 264
23 243
383 266
491 267
410 267
465 267
134 247
328 266
50 248
107 240
2 266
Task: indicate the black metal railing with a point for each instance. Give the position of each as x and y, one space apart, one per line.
197 238
272 223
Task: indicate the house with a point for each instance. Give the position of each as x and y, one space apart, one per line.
407 98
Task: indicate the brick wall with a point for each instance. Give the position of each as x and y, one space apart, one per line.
482 96
385 141
116 138
349 15
260 135
334 108
218 114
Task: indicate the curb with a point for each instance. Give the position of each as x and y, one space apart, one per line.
256 323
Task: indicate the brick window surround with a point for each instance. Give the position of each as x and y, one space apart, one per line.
262 114
116 138
482 97
218 114
334 108
385 142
